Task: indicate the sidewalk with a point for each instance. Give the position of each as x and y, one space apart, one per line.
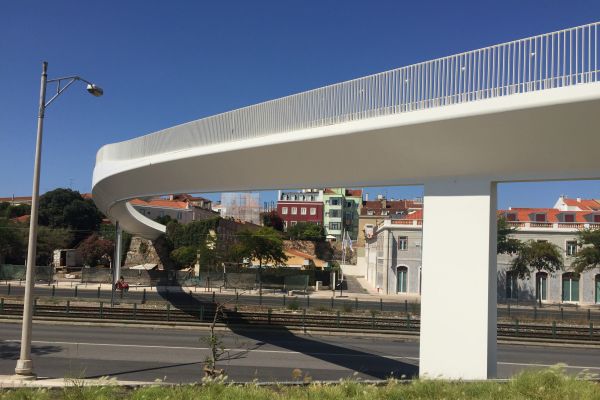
13 382
369 293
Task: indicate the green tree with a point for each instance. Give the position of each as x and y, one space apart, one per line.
505 243
537 256
307 231
65 208
588 257
185 256
96 250
273 220
12 243
9 211
264 245
165 219
108 232
48 240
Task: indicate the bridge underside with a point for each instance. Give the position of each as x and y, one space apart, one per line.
458 152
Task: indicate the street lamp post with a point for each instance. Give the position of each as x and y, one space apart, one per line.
24 366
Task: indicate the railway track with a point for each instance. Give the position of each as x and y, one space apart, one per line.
293 319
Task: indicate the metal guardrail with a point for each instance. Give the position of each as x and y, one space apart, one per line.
406 324
558 59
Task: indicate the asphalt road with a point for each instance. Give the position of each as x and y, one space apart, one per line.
177 296
176 355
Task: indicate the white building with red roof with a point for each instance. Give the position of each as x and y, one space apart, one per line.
180 207
393 254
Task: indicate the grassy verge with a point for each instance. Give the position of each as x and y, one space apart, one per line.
551 384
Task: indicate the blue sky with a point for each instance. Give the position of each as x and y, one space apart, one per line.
164 63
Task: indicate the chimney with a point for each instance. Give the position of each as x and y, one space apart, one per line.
579 199
383 203
366 196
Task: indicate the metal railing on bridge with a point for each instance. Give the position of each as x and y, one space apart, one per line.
563 58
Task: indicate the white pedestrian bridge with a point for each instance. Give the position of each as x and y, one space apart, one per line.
519 111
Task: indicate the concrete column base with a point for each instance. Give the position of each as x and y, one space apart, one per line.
24 370
458 304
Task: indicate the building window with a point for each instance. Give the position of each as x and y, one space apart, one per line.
285 225
403 243
313 211
349 204
334 201
569 217
294 223
179 215
512 287
540 217
385 212
571 247
303 210
401 273
161 213
597 218
334 213
284 210
541 286
335 226
370 212
570 287
597 289
511 217
294 210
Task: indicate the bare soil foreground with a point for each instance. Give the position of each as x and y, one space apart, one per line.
548 384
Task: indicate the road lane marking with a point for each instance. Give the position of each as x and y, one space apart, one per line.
282 352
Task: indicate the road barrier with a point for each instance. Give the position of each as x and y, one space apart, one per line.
302 320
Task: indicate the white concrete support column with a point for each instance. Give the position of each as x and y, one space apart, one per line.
118 252
458 302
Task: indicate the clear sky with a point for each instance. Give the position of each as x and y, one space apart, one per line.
162 63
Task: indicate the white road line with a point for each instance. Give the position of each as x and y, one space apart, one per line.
281 352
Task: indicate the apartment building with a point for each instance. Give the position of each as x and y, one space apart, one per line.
305 205
393 254
341 212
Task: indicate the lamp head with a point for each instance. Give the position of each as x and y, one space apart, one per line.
94 90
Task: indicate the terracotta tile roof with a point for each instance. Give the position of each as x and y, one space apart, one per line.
418 214
22 218
583 204
160 203
189 197
299 255
354 192
15 199
376 206
552 214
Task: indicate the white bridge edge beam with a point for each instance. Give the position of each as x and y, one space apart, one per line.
458 301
